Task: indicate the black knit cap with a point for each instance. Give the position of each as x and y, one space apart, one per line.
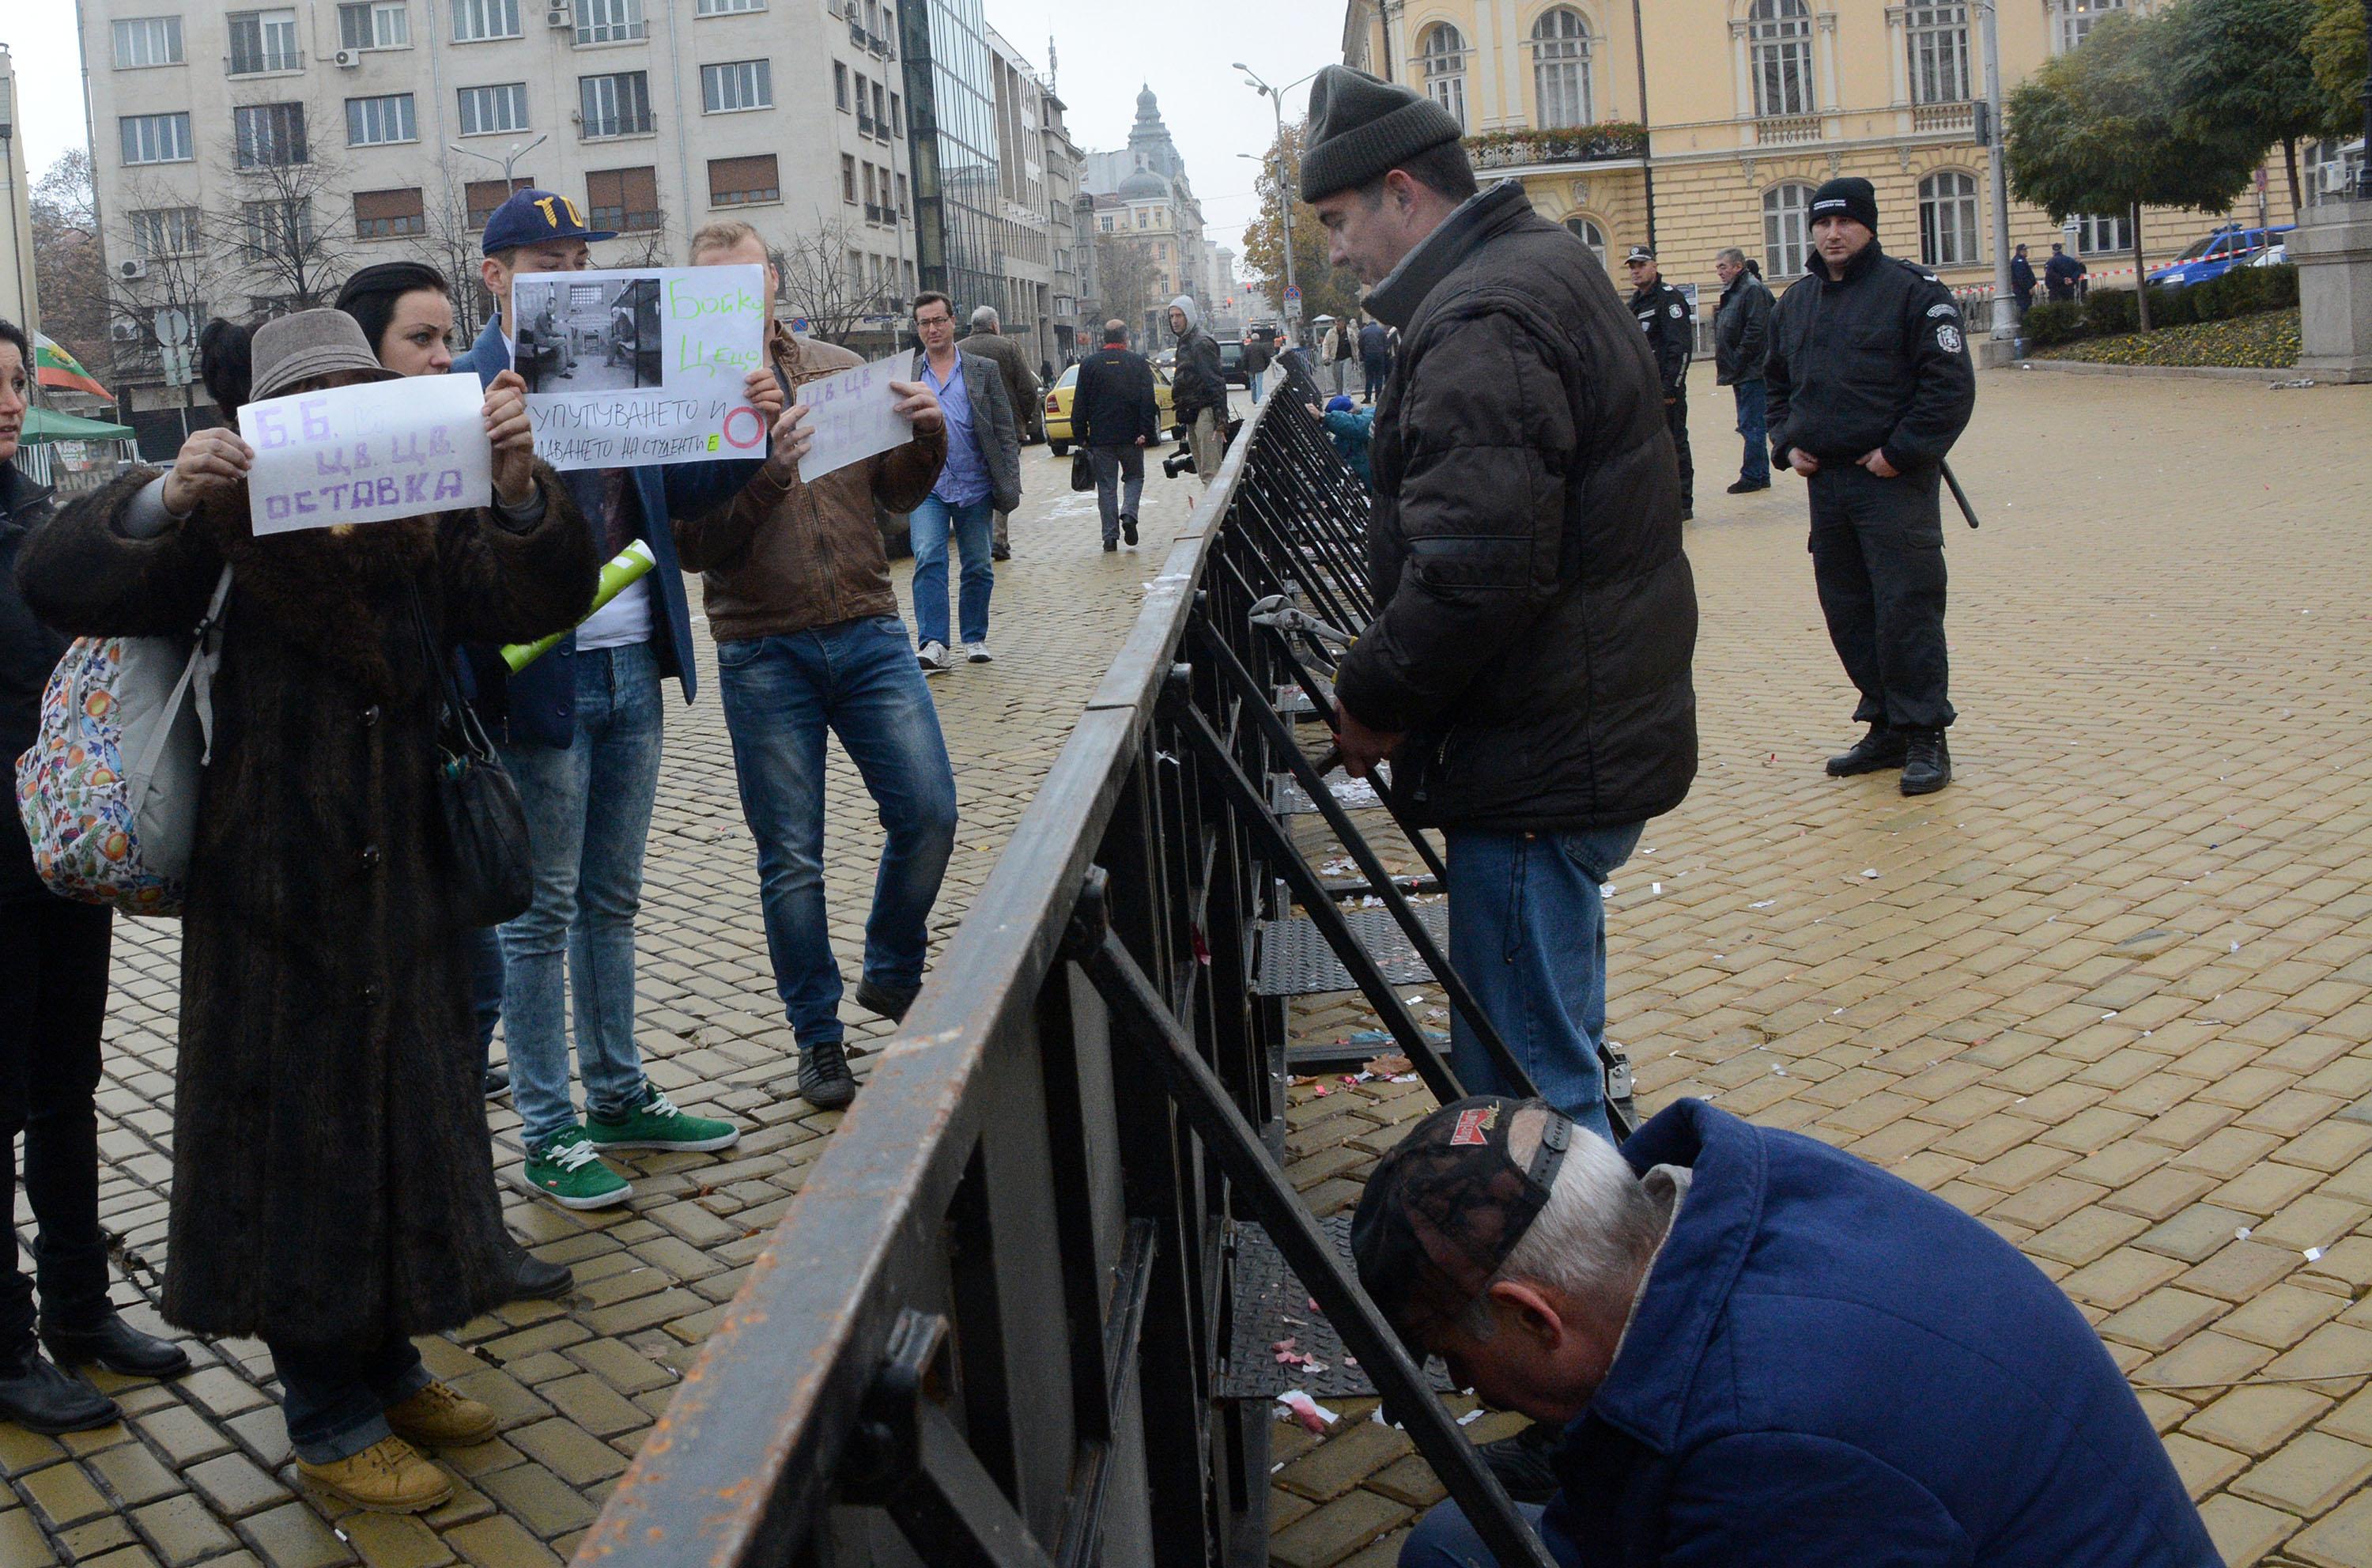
1450 1202
1848 196
1362 128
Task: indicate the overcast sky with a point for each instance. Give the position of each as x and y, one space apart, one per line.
1105 51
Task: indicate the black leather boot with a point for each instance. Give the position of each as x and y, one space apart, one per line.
1880 749
116 1345
1928 768
39 1397
532 1279
1521 1462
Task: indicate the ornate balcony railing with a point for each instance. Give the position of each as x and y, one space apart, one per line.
1788 131
1931 117
1575 144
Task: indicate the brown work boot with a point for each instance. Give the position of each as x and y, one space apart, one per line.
389 1477
437 1417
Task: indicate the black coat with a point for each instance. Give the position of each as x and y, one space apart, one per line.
331 1184
1662 312
28 653
2061 275
1113 403
1538 615
1878 360
2021 278
1198 380
1741 331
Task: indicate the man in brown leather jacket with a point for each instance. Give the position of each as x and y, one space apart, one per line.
808 638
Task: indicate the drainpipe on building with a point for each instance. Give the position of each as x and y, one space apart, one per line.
1647 164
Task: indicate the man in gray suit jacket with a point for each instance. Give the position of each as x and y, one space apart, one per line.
982 477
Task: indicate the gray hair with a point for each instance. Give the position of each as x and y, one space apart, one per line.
984 319
1590 1241
1731 254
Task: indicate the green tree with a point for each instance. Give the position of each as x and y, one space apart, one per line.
2093 130
2334 46
2242 65
1325 290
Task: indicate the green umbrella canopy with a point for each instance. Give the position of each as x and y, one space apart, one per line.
47 424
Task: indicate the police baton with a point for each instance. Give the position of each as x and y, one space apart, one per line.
1959 494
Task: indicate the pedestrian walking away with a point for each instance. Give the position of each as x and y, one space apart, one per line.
1257 352
581 730
987 340
1198 388
1527 670
2021 282
1662 312
1870 385
1115 417
324 981
1374 358
982 475
808 641
1741 341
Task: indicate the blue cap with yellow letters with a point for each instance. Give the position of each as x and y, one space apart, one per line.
531 216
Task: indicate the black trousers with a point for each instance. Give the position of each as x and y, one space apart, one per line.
1676 420
1378 372
1877 555
53 1004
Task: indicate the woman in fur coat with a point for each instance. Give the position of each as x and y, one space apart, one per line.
330 1193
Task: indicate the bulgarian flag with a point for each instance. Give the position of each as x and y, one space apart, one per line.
54 366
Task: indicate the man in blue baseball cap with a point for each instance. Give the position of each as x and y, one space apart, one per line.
581 732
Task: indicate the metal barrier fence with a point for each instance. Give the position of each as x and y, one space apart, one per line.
997 1325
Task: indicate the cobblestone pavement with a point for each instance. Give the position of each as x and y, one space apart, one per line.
201 1472
2111 992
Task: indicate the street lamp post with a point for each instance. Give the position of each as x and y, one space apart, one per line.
1996 172
507 159
2363 170
1286 193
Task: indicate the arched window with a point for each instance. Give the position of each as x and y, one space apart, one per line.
1787 230
1947 219
1589 233
1939 52
1781 34
2077 17
1561 68
1442 51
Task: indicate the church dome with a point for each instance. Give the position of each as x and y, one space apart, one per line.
1147 107
1143 184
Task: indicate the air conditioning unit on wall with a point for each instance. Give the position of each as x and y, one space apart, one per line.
559 16
132 271
348 59
123 331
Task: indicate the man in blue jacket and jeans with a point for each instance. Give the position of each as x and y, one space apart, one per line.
581 732
1760 1351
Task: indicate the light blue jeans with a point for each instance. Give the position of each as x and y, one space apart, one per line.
588 813
1528 933
859 681
931 524
1256 379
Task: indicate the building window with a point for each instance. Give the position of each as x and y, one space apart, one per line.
737 85
2075 18
901 195
481 197
1939 52
1947 219
263 41
897 117
166 231
1442 53
610 21
1785 231
1780 34
389 215
375 24
1589 233
2097 236
881 113
155 138
743 182
840 85
147 41
1561 68
626 200
370 121
269 134
617 105
281 228
474 20
485 111
726 7
847 178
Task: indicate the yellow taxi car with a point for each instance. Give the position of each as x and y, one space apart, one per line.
1058 407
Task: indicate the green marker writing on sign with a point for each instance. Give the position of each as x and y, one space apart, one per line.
632 563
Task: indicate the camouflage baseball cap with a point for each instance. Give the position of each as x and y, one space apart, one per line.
1450 1202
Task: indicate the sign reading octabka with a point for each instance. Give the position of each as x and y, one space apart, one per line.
367 454
628 368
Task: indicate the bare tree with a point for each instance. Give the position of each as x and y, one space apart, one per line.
821 280
291 217
1127 278
647 246
70 260
453 245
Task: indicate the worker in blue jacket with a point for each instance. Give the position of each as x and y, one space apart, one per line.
580 729
1762 1351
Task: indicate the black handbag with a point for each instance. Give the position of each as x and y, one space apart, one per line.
489 873
1082 471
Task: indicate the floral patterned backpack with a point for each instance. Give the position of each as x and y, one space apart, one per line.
109 791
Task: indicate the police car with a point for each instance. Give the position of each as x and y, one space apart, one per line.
2229 246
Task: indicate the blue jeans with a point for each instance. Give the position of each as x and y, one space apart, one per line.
858 680
588 812
1751 396
486 949
335 1401
1255 378
1444 1539
932 522
1528 933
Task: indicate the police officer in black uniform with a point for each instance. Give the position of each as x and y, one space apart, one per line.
1870 386
1663 313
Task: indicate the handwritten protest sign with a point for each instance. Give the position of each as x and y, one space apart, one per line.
853 418
367 454
628 368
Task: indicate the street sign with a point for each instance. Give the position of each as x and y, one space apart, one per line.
1293 296
799 326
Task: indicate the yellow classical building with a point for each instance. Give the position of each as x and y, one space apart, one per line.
1748 105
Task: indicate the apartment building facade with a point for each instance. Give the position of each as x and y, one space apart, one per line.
247 160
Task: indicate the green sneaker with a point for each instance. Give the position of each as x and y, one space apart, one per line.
566 1169
657 1124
